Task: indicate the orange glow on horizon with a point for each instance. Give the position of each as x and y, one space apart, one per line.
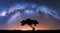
26 27
29 28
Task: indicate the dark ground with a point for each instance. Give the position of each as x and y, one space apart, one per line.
30 31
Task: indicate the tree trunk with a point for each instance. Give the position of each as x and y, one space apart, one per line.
32 27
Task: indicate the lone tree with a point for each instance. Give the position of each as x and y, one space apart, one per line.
29 22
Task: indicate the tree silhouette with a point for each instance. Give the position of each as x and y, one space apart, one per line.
29 22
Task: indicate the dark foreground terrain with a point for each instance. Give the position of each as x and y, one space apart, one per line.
30 31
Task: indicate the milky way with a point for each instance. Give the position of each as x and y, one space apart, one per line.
48 17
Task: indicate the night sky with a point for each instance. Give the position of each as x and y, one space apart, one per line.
46 12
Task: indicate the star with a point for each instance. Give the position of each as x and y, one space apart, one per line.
3 13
